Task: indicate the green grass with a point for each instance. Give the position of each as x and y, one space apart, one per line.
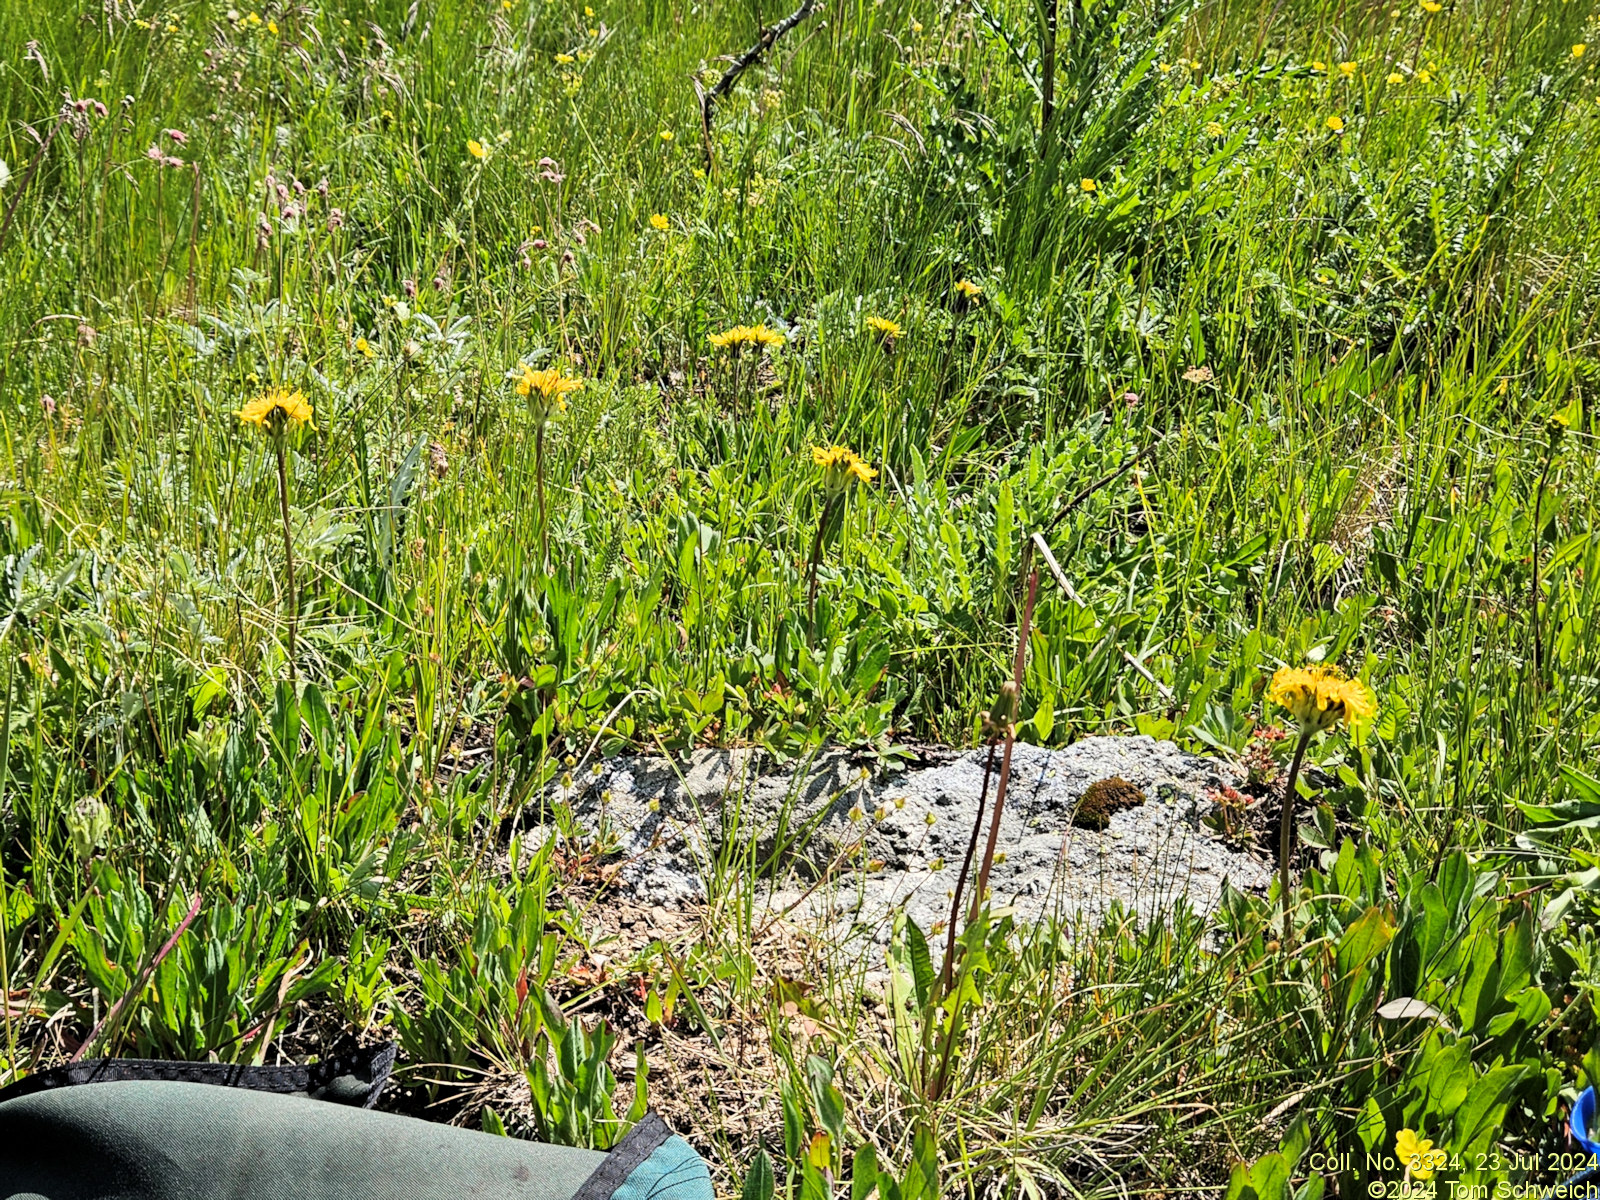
1345 350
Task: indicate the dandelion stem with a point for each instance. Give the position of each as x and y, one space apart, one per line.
538 475
1286 831
288 547
816 559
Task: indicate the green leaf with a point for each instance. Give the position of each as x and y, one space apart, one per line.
863 1172
759 1181
921 962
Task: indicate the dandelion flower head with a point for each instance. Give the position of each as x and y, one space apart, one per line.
841 467
741 335
659 221
969 289
546 391
1335 123
475 148
1320 698
277 410
884 327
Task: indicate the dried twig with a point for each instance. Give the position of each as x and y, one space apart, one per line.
769 37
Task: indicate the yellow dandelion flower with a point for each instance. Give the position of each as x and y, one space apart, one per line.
666 135
841 467
1320 697
967 288
1347 69
1577 50
742 335
364 348
546 391
885 328
1088 185
1335 124
476 149
1394 77
659 221
277 410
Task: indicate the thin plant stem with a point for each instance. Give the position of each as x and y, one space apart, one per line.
538 474
816 559
288 547
1286 832
961 880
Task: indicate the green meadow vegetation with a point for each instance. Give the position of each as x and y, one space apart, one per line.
1277 322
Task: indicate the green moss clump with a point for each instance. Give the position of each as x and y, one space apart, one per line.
1103 798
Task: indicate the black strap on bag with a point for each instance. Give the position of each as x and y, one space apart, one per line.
356 1078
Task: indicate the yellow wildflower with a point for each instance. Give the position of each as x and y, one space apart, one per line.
1088 185
546 391
741 335
1577 50
1431 6
1394 77
364 347
1347 69
1319 66
885 328
968 289
1335 123
1320 697
1417 1155
1214 129
565 59
272 27
666 135
476 149
277 410
841 467
1425 76
659 221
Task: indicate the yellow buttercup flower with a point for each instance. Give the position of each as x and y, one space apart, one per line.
841 467
1336 124
565 60
1319 66
884 327
666 135
742 335
1394 77
1320 698
967 288
277 411
1577 50
1431 6
364 347
1089 185
1347 69
476 149
1418 1155
659 221
546 391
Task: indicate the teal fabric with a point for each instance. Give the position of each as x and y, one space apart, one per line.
673 1172
147 1140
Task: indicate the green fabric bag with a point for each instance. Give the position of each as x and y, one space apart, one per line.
126 1130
